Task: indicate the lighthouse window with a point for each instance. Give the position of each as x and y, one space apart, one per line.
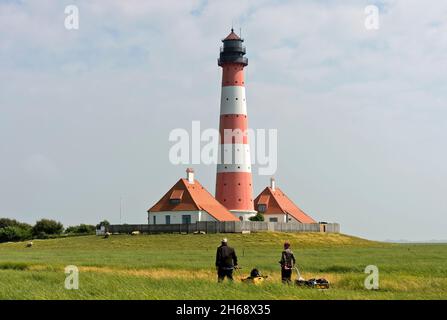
227 99
236 98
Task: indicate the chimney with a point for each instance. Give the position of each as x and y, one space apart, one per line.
190 175
272 183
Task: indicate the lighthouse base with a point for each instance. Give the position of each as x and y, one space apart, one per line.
244 215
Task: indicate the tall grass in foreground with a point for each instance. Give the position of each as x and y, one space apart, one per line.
182 267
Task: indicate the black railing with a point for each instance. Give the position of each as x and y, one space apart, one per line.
232 59
233 49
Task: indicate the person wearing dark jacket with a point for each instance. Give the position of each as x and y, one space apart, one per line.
287 263
226 261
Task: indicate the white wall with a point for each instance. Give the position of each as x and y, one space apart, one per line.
101 231
244 214
176 216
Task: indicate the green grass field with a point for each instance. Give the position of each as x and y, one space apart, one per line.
182 267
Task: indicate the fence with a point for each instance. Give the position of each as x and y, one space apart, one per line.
226 227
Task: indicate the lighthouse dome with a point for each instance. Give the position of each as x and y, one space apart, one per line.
232 51
232 36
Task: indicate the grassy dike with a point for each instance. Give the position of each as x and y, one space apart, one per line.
182 267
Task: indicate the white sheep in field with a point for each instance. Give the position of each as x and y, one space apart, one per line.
29 244
107 234
135 233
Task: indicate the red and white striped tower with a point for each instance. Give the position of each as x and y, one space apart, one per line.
234 181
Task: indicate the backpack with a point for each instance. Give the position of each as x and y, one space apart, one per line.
287 255
255 273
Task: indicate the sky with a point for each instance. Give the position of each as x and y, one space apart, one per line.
361 114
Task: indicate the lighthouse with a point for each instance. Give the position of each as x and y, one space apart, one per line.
234 186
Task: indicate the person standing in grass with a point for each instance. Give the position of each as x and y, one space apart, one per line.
226 261
287 263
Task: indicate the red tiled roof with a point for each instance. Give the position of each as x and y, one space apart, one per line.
278 202
194 197
232 36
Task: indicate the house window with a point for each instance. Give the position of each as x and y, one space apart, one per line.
186 219
174 201
168 219
176 197
262 208
154 220
273 219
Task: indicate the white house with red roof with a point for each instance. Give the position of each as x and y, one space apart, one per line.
188 202
277 207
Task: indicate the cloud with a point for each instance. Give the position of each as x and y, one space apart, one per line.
39 166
